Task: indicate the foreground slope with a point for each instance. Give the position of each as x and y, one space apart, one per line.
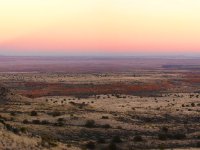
17 137
100 122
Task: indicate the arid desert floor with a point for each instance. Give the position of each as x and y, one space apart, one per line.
140 108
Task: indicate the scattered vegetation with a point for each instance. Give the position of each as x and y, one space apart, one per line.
171 136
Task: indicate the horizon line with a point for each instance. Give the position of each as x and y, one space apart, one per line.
115 56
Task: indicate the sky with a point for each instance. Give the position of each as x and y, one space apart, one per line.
68 27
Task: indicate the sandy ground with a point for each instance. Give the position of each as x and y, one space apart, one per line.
165 120
126 117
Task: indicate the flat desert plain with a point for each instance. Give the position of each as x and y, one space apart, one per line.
101 103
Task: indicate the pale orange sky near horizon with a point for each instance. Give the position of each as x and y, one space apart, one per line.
99 26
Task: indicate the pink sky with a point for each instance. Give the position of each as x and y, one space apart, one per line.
99 26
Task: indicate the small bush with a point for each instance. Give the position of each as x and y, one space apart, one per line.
15 130
165 129
101 140
162 137
2 121
178 136
12 129
119 127
34 113
44 122
36 121
106 126
12 119
104 117
23 129
90 124
90 145
193 104
59 124
116 139
25 121
112 146
13 114
48 142
56 113
61 119
138 138
172 136
198 144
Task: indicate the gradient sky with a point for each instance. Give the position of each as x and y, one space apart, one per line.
99 26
